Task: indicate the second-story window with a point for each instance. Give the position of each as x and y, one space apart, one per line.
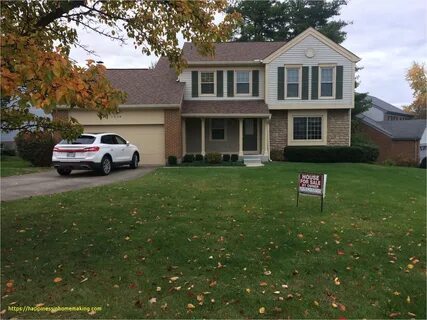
242 82
293 78
327 82
207 83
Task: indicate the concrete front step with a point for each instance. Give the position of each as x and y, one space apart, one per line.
252 160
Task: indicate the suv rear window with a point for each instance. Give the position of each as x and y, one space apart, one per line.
80 140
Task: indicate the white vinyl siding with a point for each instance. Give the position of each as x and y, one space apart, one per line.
185 77
324 55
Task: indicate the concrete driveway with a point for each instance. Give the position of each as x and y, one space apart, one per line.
49 182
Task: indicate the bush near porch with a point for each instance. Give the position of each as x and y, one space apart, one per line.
221 243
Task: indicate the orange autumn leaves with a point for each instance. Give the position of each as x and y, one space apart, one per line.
47 79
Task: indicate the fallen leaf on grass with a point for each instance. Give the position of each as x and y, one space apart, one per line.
408 299
316 303
152 300
300 235
263 284
337 281
57 279
410 266
340 252
248 290
212 284
394 314
158 289
267 272
93 312
174 278
190 306
39 304
261 310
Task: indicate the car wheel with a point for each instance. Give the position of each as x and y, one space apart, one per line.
106 166
64 171
135 161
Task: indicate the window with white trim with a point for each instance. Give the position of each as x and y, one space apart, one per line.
242 82
327 81
207 82
293 82
217 129
307 128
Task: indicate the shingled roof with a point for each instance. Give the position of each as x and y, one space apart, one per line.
398 129
148 86
387 107
233 51
220 107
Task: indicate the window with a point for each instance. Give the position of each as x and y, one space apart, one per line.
217 129
307 128
242 82
108 139
80 140
120 140
293 82
327 81
207 83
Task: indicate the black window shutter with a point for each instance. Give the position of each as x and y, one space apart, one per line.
219 83
255 83
230 83
339 83
281 83
194 83
304 89
314 82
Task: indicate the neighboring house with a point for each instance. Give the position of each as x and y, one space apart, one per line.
398 136
249 99
8 139
384 111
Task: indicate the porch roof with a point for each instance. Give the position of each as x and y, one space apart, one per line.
221 108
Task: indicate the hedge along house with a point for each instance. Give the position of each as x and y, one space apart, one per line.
248 99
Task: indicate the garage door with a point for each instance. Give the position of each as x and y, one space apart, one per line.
150 139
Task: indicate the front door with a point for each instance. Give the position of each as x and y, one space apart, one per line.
250 136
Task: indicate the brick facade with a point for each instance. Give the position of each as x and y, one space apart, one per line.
173 134
338 127
278 129
396 150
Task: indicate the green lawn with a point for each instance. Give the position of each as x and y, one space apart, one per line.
13 165
228 241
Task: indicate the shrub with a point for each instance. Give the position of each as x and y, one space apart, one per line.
405 162
36 147
199 157
234 157
331 154
371 151
226 157
213 157
276 155
172 161
188 158
423 163
8 152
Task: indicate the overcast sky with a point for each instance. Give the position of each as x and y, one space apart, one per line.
387 34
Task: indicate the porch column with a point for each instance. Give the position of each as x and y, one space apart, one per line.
240 137
203 136
184 139
266 127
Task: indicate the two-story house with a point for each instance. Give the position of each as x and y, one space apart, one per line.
248 99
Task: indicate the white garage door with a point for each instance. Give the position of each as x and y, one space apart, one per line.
150 139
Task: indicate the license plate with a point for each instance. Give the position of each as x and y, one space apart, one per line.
71 154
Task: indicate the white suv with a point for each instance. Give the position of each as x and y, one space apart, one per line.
98 151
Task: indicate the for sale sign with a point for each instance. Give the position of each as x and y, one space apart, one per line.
312 184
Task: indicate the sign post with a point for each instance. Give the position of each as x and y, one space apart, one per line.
313 184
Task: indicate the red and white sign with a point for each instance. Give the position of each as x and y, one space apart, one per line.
312 183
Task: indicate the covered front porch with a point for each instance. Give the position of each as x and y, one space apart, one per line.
242 133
